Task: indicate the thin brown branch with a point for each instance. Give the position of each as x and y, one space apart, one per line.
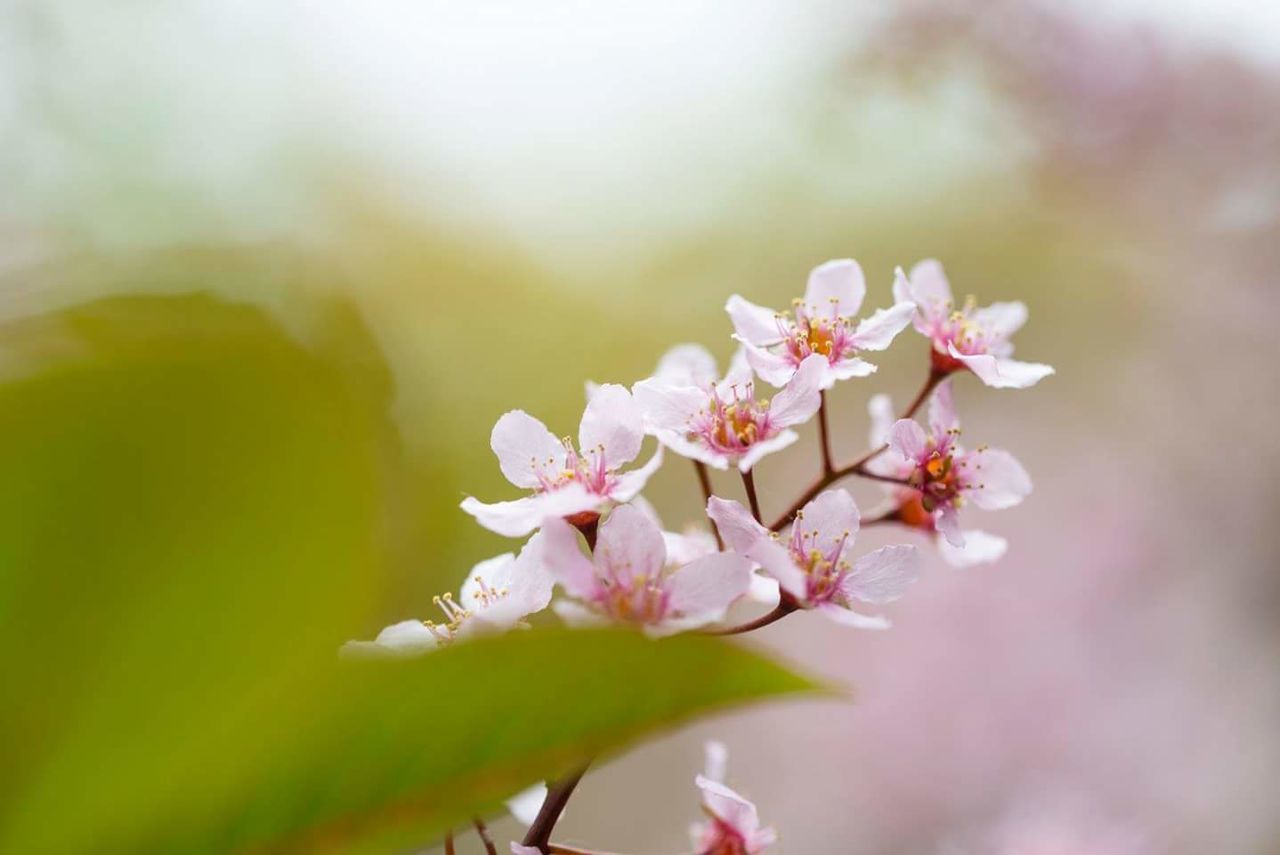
749 484
785 607
824 436
448 843
483 832
558 794
704 480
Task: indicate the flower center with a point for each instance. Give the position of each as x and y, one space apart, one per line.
733 426
809 334
585 468
937 478
958 327
720 838
642 600
455 615
824 569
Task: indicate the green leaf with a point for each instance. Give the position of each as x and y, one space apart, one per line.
197 509
417 746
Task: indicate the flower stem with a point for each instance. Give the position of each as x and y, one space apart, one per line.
448 843
557 797
749 483
824 435
786 605
704 480
483 833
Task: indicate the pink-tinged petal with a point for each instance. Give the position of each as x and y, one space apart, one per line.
737 527
629 484
882 576
688 546
761 450
753 324
1001 373
775 560
880 408
590 388
731 808
801 398
1001 319
407 635
830 518
930 288
523 445
947 522
523 586
577 615
839 284
716 760
847 369
993 479
629 545
772 368
709 585
738 376
667 407
878 331
979 548
764 590
521 516
902 292
496 573
942 411
908 440
612 421
848 617
521 849
687 365
561 552
524 805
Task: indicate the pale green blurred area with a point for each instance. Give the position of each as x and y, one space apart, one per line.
451 214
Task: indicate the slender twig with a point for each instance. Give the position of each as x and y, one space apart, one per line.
749 483
552 806
875 476
824 435
704 480
448 843
785 607
483 832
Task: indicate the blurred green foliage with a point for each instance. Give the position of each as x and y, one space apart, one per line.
197 508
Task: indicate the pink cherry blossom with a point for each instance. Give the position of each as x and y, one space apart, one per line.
496 596
631 579
567 482
967 336
823 323
979 547
944 476
813 563
732 825
724 424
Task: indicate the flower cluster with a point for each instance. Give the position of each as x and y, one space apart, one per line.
593 537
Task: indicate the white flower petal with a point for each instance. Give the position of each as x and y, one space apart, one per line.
878 331
1001 373
882 576
753 324
979 548
629 545
994 479
737 527
709 585
521 516
908 440
526 804
614 422
761 450
801 398
629 484
829 518
687 365
522 445
561 552
835 287
848 617
772 368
